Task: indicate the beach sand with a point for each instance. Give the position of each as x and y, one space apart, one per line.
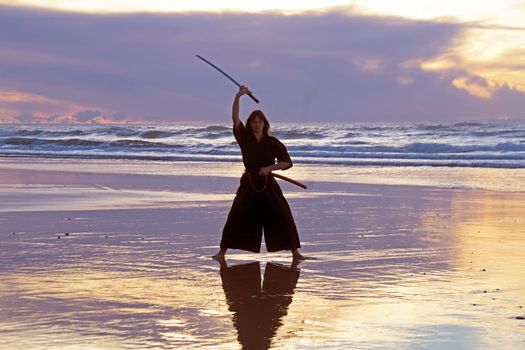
102 254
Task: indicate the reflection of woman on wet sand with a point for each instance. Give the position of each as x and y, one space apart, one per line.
257 312
259 202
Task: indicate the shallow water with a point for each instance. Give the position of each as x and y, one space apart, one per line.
392 267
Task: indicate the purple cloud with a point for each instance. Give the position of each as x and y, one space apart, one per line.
85 116
329 67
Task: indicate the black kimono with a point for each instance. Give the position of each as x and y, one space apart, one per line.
259 202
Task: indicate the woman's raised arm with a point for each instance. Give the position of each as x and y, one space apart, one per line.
243 90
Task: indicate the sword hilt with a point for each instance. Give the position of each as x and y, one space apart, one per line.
253 98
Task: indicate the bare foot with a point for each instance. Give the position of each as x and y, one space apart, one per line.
297 256
220 255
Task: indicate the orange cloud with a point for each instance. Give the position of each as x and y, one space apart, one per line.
494 54
13 96
18 106
479 88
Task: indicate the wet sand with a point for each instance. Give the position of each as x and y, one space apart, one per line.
118 257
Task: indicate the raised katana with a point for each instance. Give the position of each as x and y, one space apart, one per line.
297 183
227 76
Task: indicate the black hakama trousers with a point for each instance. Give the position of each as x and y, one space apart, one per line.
254 212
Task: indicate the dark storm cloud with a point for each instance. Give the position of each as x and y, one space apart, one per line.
303 67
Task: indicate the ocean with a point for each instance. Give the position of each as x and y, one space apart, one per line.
481 145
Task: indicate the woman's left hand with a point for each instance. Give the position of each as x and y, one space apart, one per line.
265 171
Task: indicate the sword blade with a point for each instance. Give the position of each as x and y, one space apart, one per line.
220 70
226 75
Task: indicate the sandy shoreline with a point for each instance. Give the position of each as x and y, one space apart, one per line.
118 257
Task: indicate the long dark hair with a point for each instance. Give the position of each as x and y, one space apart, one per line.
258 114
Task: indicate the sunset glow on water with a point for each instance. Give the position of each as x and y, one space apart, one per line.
428 266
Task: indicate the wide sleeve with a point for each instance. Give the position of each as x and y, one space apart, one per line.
281 153
239 133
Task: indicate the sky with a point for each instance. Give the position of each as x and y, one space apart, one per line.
122 61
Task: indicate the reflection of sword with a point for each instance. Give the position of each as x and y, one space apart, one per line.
297 183
227 76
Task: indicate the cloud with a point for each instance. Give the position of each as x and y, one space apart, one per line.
168 6
475 86
119 116
367 64
307 67
26 107
82 117
25 118
12 96
85 116
493 53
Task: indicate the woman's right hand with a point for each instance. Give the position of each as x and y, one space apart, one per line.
243 90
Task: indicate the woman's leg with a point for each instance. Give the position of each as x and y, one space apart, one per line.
243 228
280 231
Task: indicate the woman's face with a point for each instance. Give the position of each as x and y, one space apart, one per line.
257 125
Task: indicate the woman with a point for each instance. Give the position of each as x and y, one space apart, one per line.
259 202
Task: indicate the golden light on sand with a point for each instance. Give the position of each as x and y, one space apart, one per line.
485 228
133 293
117 286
